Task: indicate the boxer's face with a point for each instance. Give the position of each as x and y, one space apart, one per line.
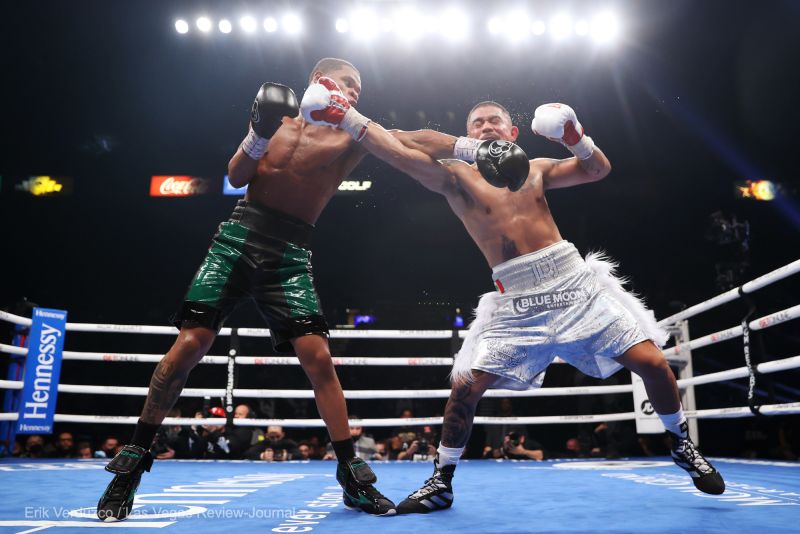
489 122
348 80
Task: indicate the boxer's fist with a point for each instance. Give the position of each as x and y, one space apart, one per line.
273 102
324 104
558 122
502 164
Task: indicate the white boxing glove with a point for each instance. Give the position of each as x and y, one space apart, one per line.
324 104
558 122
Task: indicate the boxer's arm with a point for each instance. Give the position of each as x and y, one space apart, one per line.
559 173
420 165
272 103
437 145
241 168
559 123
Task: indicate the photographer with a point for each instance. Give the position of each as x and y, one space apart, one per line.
419 449
364 445
514 448
273 448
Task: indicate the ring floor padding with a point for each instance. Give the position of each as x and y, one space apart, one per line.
204 497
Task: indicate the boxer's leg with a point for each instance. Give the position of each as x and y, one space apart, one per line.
647 361
437 492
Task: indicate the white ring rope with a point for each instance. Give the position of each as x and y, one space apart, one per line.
741 372
729 333
778 274
717 413
761 323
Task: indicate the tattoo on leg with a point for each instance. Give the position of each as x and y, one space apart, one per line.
510 249
458 416
165 388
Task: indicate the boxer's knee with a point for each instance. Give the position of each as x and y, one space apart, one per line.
190 347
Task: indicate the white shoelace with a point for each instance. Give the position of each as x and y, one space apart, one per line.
694 457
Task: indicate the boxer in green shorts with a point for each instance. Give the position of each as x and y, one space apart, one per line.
260 253
293 169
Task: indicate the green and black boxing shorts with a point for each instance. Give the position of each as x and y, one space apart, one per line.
260 253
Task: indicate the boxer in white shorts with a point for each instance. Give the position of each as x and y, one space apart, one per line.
549 301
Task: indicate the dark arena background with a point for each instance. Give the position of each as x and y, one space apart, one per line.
118 122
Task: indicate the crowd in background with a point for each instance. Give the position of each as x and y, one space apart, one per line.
408 442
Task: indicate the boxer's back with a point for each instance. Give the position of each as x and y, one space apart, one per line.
303 169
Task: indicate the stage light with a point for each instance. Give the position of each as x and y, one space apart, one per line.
270 25
453 24
538 27
519 25
248 24
408 24
386 24
605 27
764 190
581 28
291 24
561 27
364 24
225 26
342 26
495 25
203 24
181 26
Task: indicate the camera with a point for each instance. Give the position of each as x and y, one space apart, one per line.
513 439
425 439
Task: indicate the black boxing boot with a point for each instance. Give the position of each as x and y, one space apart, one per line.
128 465
357 479
435 494
686 455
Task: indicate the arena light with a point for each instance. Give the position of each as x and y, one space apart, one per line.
495 25
408 24
248 24
291 24
518 25
203 24
181 26
342 26
225 26
763 190
270 25
364 23
582 28
561 27
386 24
538 27
605 27
453 24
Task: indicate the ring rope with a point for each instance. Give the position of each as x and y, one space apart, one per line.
749 287
716 413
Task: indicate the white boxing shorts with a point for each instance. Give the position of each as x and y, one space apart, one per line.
552 303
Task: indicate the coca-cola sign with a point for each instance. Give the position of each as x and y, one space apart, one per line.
177 186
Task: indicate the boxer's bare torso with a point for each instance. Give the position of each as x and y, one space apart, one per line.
503 224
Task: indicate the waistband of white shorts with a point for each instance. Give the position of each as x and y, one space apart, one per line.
536 268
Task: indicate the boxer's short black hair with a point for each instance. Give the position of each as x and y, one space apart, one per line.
489 103
329 64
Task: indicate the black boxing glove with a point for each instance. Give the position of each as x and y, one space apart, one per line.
502 164
273 102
